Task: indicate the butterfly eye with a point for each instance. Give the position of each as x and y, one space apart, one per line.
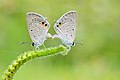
73 44
33 44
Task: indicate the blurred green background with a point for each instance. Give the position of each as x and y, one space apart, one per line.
98 28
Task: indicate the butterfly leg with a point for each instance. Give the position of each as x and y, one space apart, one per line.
66 51
37 48
44 45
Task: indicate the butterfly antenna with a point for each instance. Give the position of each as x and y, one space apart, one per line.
81 43
46 18
54 20
25 42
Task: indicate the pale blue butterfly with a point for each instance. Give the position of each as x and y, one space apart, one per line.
38 28
65 28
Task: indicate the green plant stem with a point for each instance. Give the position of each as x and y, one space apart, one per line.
29 55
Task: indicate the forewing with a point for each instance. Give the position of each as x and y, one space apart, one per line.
38 27
65 27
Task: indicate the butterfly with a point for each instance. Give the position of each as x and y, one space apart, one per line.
65 27
38 28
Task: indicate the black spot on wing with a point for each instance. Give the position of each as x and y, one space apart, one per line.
42 22
60 23
45 24
57 25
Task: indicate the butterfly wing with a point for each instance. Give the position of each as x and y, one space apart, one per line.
65 27
38 27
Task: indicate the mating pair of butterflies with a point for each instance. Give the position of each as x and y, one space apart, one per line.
65 27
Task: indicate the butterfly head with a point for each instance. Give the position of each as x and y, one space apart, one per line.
35 44
71 44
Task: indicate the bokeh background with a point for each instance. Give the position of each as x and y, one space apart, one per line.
98 28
